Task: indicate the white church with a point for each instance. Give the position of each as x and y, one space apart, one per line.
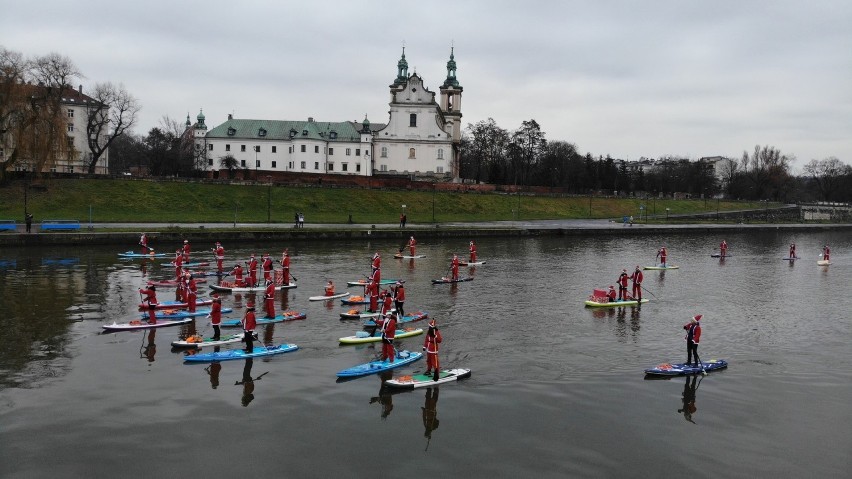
420 139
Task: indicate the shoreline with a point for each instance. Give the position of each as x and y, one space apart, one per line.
201 233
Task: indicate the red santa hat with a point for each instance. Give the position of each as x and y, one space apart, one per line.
697 317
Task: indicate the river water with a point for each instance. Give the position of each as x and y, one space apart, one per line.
557 389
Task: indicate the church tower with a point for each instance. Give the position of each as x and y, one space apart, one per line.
451 93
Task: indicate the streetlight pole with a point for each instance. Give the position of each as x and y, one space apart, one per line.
433 202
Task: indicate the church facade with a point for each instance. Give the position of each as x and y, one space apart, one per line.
420 139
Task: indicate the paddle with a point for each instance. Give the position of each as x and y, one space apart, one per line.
646 289
437 363
703 371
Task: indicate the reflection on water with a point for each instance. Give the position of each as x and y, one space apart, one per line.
688 397
430 414
149 348
385 397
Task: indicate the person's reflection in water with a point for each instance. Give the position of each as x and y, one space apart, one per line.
689 389
247 382
268 334
213 370
150 350
634 318
385 398
430 414
144 268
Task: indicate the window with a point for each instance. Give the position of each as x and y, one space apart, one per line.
303 148
345 166
333 135
257 149
197 146
383 168
243 163
257 163
348 151
330 151
70 128
357 151
358 167
316 165
290 165
303 165
274 165
53 169
70 113
439 169
411 154
412 119
261 132
275 149
316 148
440 153
210 147
330 166
210 162
289 149
242 147
384 152
231 131
227 147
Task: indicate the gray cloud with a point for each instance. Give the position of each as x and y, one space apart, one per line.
623 78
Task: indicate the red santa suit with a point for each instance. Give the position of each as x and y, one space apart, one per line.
374 297
267 268
622 286
285 265
237 272
143 241
388 335
454 268
150 296
412 245
252 270
191 294
826 252
637 278
472 252
178 262
376 276
387 302
662 254
186 250
216 317
269 298
219 251
430 346
249 323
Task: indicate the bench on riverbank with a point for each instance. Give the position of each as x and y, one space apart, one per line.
62 225
8 225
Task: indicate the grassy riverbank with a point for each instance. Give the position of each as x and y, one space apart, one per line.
111 200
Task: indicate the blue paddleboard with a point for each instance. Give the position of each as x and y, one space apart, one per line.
131 254
259 351
373 367
184 314
235 323
405 319
683 369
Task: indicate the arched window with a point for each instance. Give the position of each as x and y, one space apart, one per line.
412 119
411 153
440 153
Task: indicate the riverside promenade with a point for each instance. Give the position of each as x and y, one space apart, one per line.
128 233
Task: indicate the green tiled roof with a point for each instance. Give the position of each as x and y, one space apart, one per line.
280 130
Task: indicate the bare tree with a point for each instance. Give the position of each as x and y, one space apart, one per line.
112 112
767 171
828 175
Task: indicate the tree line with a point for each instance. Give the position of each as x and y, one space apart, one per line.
524 157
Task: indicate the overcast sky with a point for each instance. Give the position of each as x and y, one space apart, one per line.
625 78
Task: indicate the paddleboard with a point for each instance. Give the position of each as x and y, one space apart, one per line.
791 259
171 283
468 263
177 304
448 280
363 282
136 324
661 267
358 315
231 354
405 256
415 381
131 254
823 262
326 298
354 300
374 367
198 342
405 319
287 316
184 314
719 255
229 287
362 337
614 304
186 265
682 369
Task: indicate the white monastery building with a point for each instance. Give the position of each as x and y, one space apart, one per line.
420 139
